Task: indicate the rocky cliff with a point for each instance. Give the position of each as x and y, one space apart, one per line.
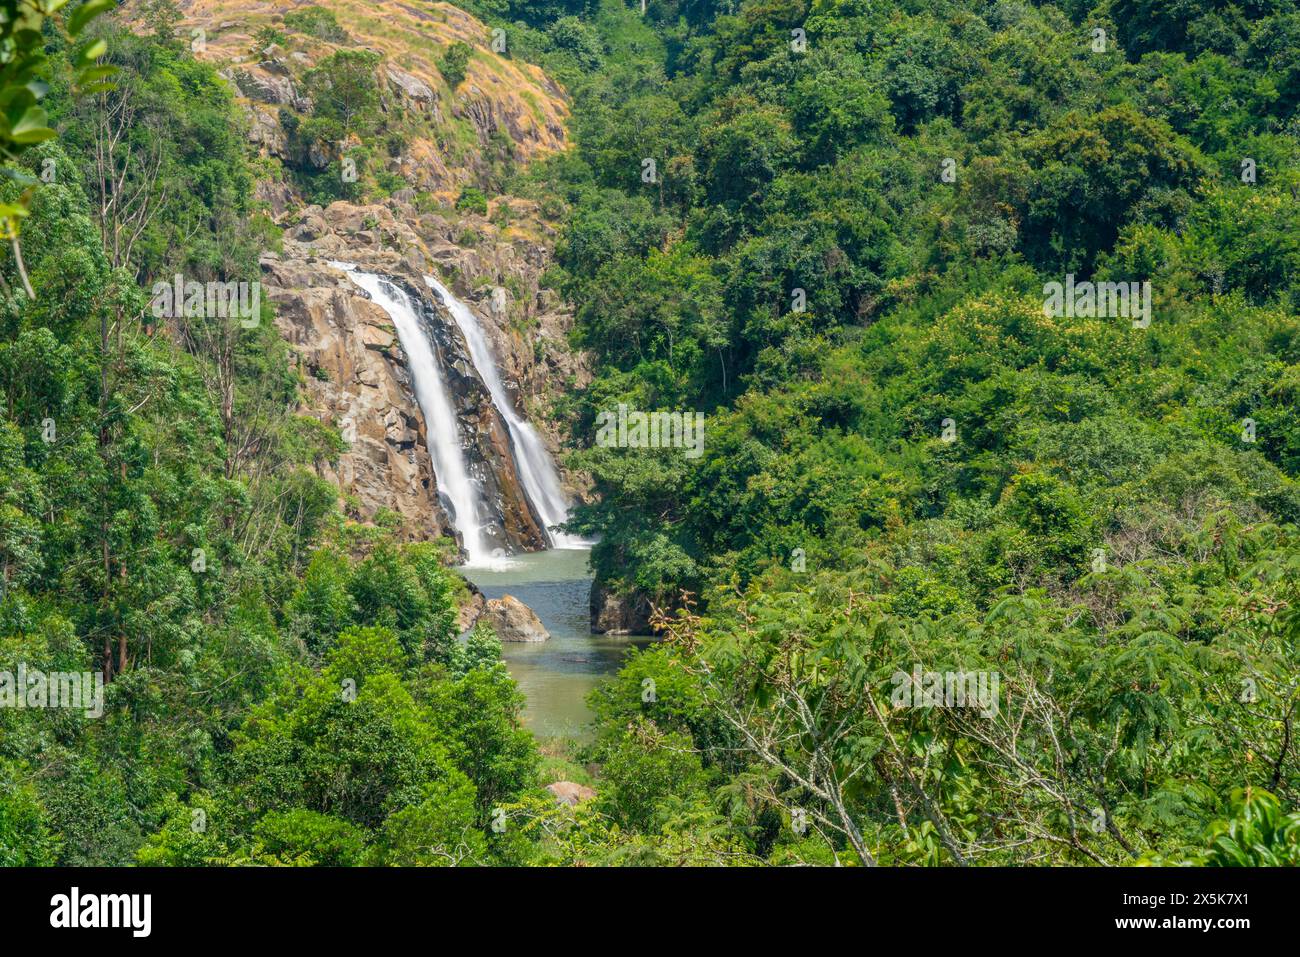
356 380
357 375
401 221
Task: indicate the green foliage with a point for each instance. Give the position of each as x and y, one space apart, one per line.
908 465
318 22
480 714
645 770
270 36
345 95
574 37
454 63
23 74
843 253
25 837
311 838
354 743
471 199
1257 834
1092 175
298 696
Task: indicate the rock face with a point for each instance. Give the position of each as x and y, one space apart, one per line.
410 88
468 614
615 615
514 621
268 84
356 381
265 131
569 794
356 372
359 379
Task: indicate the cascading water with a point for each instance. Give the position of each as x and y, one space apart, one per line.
440 424
534 464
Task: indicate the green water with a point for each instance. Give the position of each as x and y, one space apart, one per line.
555 675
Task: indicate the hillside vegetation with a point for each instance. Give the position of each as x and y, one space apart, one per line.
828 226
908 462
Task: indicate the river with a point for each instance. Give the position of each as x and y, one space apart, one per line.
555 675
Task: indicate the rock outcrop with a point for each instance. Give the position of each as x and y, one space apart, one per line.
498 96
355 369
358 378
269 84
356 381
514 621
613 614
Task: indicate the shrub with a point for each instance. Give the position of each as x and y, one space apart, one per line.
454 64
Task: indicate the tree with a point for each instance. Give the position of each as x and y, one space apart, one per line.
454 63
345 93
1093 174
24 122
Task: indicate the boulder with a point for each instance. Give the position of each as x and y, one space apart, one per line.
570 794
408 86
514 621
268 87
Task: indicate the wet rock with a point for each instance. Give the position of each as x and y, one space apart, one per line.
511 524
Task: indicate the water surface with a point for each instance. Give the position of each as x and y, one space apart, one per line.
555 675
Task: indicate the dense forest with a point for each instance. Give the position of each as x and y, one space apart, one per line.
829 226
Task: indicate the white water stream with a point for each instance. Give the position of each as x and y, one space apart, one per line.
533 462
440 425
534 465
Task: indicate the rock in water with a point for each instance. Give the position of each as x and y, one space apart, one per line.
514 621
613 614
567 792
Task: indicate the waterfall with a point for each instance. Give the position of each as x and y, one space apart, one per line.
440 423
534 464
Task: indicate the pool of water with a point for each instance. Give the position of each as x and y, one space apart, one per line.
555 675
